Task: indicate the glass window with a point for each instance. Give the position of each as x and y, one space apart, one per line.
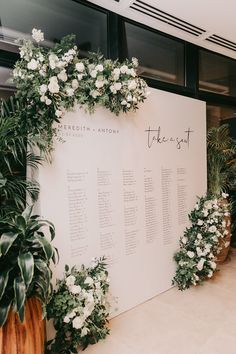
159 57
217 73
218 114
56 18
6 84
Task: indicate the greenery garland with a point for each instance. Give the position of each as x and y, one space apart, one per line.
53 81
202 241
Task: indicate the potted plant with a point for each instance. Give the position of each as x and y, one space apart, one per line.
221 167
25 280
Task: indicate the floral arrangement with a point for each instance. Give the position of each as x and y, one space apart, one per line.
202 241
79 308
53 81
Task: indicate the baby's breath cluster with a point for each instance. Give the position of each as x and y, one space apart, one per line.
53 81
79 308
202 241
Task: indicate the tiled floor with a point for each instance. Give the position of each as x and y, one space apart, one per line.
201 320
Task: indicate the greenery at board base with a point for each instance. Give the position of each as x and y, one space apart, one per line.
202 241
25 256
79 308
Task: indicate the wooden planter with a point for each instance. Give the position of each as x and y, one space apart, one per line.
225 242
26 338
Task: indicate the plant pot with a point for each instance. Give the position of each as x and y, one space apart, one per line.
27 337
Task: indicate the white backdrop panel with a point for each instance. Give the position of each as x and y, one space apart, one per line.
123 186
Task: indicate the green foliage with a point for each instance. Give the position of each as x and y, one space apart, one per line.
201 242
221 160
79 308
25 255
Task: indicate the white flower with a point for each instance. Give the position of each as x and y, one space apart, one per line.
62 76
190 254
77 322
70 280
224 195
135 61
199 236
200 264
208 204
37 35
53 60
124 103
132 85
32 65
113 90
210 273
53 85
116 72
205 212
199 251
84 331
223 223
66 319
88 281
75 84
99 83
212 228
184 240
79 67
196 206
212 264
71 314
199 222
69 91
93 73
48 101
43 88
94 93
75 289
58 113
123 69
80 76
133 73
99 67
42 98
117 86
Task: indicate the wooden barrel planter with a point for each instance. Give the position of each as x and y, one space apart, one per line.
27 337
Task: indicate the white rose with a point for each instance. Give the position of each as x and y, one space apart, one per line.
75 84
116 72
128 71
199 236
66 319
69 91
199 222
99 67
32 65
80 76
205 212
88 281
199 251
184 240
70 280
93 73
99 83
84 331
224 195
71 314
132 85
79 67
210 274
112 88
48 101
135 61
212 229
200 264
58 113
37 35
208 204
62 76
75 289
42 98
53 85
43 88
94 93
132 72
190 254
212 264
77 322
117 86
123 69
124 103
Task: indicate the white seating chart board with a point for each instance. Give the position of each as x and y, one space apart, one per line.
123 187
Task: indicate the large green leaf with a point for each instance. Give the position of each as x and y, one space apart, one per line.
21 223
20 293
4 310
4 276
6 242
27 212
26 264
46 246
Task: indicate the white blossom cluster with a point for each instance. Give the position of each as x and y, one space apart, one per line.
200 244
59 79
